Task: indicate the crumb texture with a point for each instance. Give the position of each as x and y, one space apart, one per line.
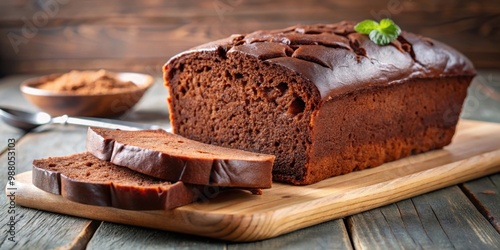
86 167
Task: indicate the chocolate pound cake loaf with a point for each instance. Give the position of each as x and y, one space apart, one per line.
322 98
175 158
85 179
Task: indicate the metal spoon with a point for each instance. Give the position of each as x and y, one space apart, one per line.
28 121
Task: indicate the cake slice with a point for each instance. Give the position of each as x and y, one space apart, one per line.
83 178
172 157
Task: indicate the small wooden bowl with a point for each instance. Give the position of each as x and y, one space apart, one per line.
96 105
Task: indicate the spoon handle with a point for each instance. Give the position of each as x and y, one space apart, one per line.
102 122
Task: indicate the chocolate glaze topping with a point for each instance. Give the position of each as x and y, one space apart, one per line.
338 60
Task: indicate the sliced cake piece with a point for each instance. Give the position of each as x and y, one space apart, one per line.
83 178
172 157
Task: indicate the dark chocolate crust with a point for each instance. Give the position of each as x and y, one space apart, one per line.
337 60
172 157
57 175
322 98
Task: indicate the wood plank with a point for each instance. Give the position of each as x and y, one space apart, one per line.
64 9
328 235
463 224
81 240
78 37
114 236
12 10
373 230
135 55
140 32
8 134
34 228
48 141
240 216
444 219
485 194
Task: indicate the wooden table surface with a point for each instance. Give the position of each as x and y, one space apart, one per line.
465 216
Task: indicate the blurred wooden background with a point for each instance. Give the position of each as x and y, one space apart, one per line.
39 36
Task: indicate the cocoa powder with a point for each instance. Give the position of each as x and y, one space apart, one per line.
88 82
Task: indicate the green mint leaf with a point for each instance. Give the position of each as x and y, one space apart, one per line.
366 26
381 33
389 28
384 23
379 38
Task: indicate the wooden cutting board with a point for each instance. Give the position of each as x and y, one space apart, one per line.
240 216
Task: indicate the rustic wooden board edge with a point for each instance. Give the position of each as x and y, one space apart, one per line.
240 223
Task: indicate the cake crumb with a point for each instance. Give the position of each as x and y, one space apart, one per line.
488 191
